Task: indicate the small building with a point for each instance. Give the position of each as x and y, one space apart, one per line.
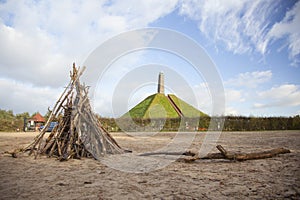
34 122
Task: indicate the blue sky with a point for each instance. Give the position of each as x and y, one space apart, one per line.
255 46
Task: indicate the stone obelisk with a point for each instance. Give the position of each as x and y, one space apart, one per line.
161 83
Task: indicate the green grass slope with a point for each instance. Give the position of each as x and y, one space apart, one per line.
159 106
140 109
186 109
154 106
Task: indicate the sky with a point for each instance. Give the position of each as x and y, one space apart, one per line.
254 45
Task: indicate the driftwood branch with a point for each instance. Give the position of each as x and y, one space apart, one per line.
192 156
241 156
251 156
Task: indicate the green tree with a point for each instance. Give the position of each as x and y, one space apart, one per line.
296 122
22 115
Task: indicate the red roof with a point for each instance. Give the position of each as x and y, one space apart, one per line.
38 118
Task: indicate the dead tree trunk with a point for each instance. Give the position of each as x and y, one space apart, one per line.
245 156
250 156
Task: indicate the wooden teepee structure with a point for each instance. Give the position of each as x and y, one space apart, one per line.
78 133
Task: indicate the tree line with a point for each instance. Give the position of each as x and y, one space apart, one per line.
11 122
224 123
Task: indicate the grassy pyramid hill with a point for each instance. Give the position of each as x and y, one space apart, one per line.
161 106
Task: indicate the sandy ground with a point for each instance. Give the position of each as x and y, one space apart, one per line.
47 178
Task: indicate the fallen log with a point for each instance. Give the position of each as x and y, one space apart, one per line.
192 156
251 156
245 156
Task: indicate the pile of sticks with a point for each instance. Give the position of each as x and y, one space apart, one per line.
78 133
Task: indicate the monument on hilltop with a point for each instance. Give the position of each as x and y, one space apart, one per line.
159 105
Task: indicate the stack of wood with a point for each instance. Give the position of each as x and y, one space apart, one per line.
78 133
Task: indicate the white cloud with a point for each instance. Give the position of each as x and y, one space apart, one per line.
231 111
40 40
245 26
289 26
250 79
45 37
27 98
233 96
281 96
203 98
29 58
